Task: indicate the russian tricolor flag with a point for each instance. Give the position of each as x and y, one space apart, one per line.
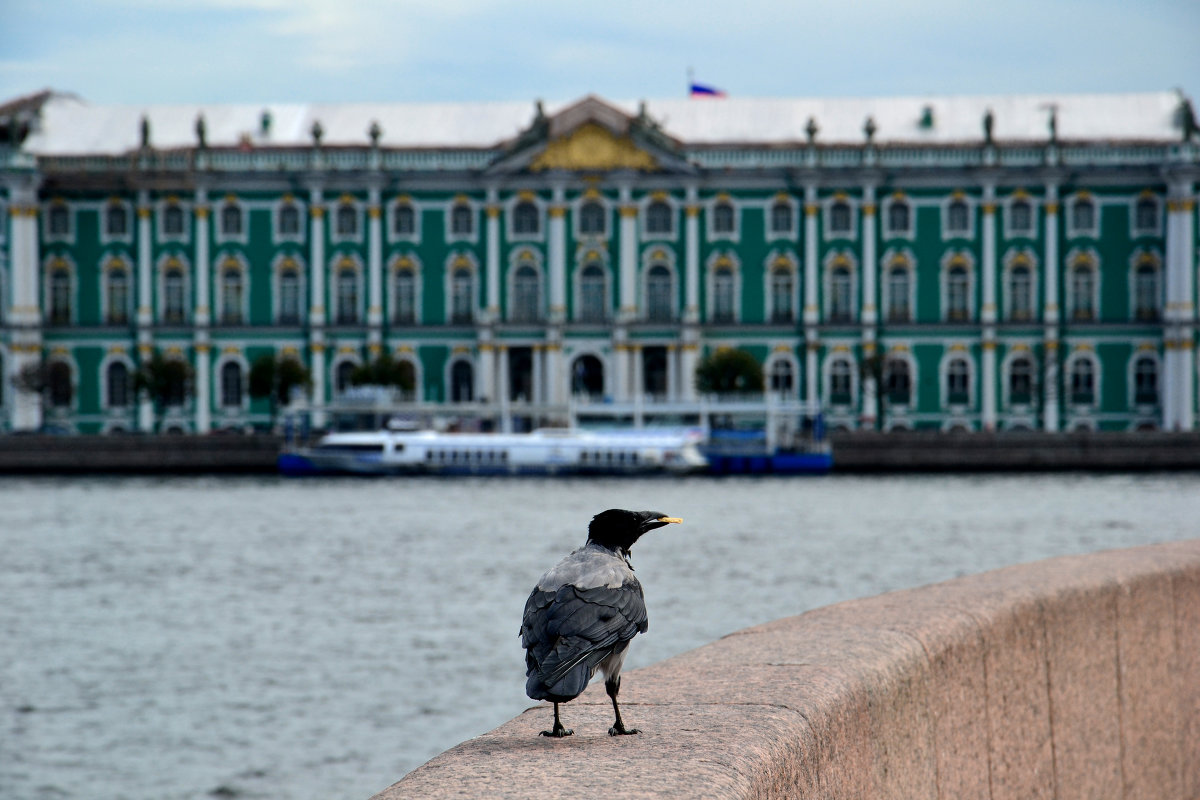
700 90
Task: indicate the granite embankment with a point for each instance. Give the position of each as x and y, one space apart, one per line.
858 452
1076 677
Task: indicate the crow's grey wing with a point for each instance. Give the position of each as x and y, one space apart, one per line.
568 632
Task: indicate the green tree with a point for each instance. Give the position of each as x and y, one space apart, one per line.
167 382
729 371
275 378
385 371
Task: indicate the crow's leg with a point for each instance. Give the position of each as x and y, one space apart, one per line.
612 686
558 731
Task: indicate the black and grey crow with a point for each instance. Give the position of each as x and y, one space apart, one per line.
583 612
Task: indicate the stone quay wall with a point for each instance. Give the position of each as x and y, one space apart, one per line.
31 454
1075 677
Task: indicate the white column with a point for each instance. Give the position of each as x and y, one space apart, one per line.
556 380
145 313
988 311
25 315
620 377
201 318
556 249
1050 313
203 390
1180 313
485 381
811 309
689 356
374 272
317 313
870 310
691 311
502 387
628 256
638 379
492 267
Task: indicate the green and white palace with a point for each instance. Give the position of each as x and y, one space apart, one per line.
978 263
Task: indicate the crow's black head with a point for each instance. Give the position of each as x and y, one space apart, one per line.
617 528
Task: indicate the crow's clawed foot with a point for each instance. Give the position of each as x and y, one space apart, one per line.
558 732
620 730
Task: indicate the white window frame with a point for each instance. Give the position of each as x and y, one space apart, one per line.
277 220
1135 228
734 233
221 236
947 202
106 237
185 209
355 206
956 353
461 201
889 232
835 259
1072 230
525 257
644 217
1011 231
827 214
952 259
67 236
793 230
390 222
510 217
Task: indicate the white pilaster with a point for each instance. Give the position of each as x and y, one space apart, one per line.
1180 313
689 357
202 314
492 267
628 256
317 313
25 349
691 311
201 317
811 308
811 373
988 311
374 269
557 257
1050 314
145 293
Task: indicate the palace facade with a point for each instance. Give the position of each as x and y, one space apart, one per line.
986 263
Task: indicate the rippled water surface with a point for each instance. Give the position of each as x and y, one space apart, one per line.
255 637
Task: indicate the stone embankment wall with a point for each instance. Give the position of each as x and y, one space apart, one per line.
1076 677
137 454
931 451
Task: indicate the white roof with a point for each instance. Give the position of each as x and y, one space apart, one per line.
71 126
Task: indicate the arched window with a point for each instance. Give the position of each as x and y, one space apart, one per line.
958 378
593 294
232 295
1083 381
342 374
660 304
839 217
659 219
347 220
899 292
1145 381
462 289
347 295
1020 381
958 217
231 385
526 302
1020 292
231 220
60 388
1083 291
116 220
1020 218
840 294
782 289
526 220
60 296
782 376
1146 292
722 219
722 302
958 293
177 388
117 295
591 219
840 382
289 220
404 297
172 222
174 304
1083 215
289 295
899 217
118 385
654 372
1146 215
897 381
404 220
462 220
781 217
462 382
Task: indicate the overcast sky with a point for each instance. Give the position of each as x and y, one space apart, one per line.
141 52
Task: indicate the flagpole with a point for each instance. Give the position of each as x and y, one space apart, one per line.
689 82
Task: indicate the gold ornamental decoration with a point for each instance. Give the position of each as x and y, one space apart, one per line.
593 147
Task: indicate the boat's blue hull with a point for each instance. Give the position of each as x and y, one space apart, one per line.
763 464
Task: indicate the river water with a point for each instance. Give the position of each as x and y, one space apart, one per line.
258 637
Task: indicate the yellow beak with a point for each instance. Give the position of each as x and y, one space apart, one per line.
670 519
